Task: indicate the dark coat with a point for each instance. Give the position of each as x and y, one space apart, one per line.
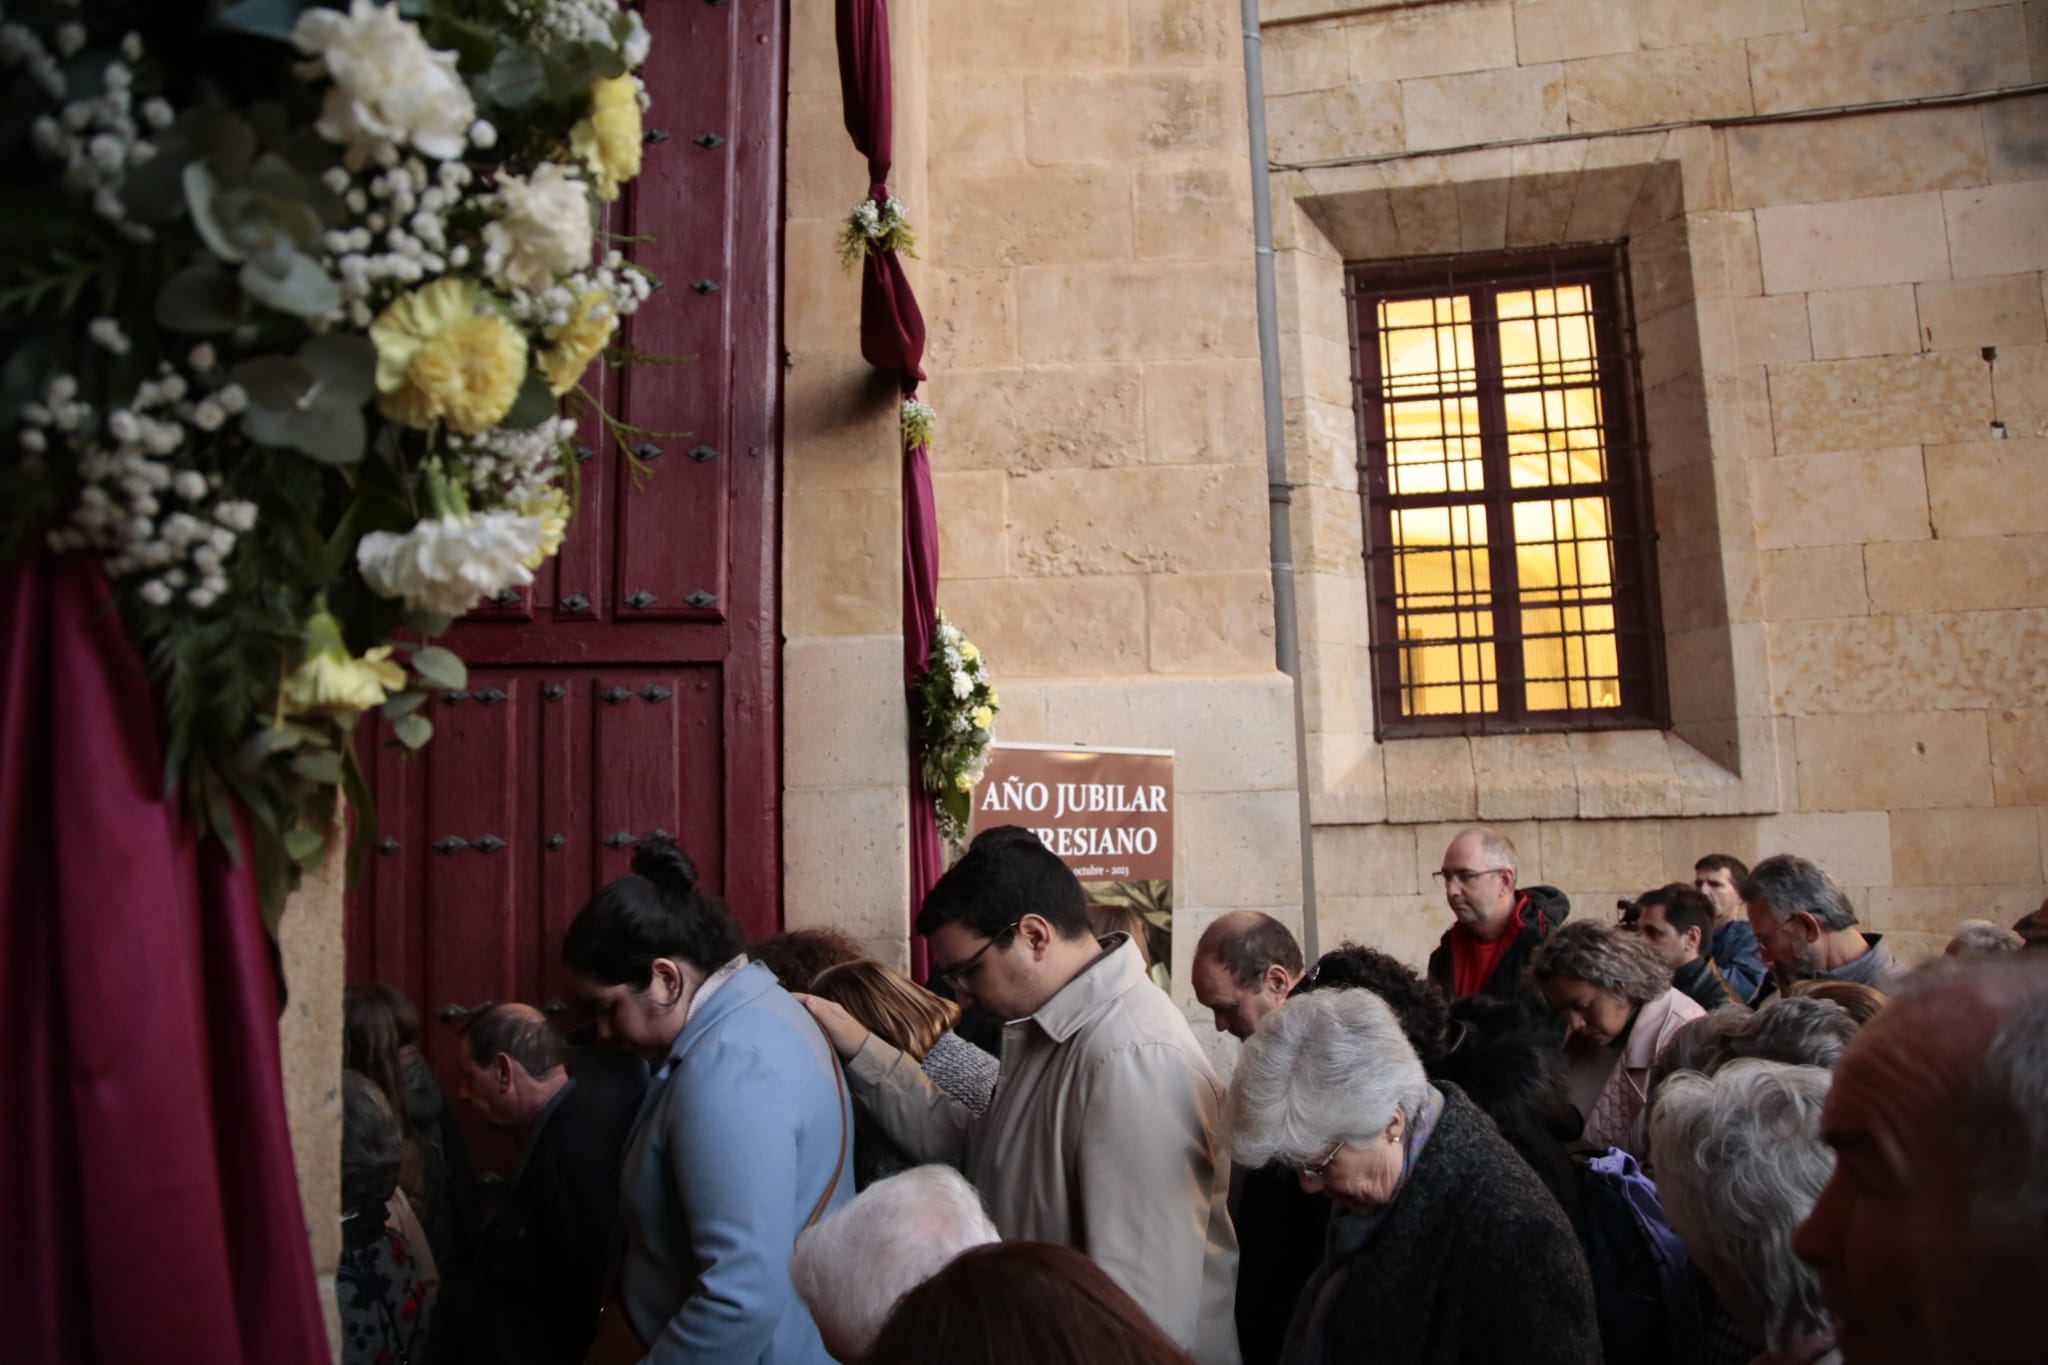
1543 909
1281 1229
531 1295
1701 980
1734 952
1474 1264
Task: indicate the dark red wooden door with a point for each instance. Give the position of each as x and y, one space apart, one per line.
634 686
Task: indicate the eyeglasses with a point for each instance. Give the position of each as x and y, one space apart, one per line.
1464 876
1320 1168
960 971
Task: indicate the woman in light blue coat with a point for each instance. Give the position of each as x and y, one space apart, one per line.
742 1139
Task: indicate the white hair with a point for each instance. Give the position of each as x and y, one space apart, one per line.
1982 936
850 1268
1740 1163
1324 1068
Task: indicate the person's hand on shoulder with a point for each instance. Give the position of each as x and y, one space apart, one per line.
842 1030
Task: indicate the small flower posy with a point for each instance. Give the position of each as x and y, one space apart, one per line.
956 719
878 227
292 367
918 419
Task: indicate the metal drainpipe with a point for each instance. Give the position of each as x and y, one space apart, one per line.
1279 493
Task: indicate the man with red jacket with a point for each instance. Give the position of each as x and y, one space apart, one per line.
1498 925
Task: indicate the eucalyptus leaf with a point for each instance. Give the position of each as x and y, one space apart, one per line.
279 383
403 704
305 846
271 739
345 365
307 291
323 767
201 188
517 77
201 300
440 667
412 731
428 623
534 405
227 142
330 433
264 18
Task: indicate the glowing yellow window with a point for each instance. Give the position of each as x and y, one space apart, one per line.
1507 527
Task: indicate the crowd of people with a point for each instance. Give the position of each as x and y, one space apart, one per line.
1725 1125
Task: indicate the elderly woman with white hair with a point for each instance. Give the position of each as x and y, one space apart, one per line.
1444 1247
1740 1165
1621 1011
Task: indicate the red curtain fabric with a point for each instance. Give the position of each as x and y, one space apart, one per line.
153 1210
892 339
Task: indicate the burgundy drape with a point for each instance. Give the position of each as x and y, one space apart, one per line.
892 339
152 1211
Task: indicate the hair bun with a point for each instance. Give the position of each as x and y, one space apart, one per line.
659 860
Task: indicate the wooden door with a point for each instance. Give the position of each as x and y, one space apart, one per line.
634 686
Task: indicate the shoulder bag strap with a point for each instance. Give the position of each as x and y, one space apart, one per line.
839 1081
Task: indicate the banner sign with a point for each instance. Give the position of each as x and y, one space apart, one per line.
1108 815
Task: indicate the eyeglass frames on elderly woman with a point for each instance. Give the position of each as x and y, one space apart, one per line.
961 971
1321 1168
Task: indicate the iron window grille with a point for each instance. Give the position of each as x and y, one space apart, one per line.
1498 405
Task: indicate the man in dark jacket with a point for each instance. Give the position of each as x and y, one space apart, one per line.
1498 924
531 1296
1677 921
1732 944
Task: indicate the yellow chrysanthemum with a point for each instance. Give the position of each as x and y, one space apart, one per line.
552 507
443 356
607 139
330 681
969 652
964 781
983 717
993 699
577 342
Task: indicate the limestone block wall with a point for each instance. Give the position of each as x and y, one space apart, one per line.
1099 459
845 738
1842 343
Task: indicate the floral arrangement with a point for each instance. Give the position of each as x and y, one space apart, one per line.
956 718
918 418
293 295
877 227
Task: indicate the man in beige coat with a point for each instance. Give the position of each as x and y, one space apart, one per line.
1103 1132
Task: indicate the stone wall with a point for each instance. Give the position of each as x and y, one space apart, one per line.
1841 326
1083 199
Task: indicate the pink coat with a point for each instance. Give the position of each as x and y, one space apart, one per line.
1617 1117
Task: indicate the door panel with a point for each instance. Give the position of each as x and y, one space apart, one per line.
636 680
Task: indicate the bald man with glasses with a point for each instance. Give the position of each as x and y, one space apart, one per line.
1498 924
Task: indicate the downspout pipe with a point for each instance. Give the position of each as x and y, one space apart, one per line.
1279 492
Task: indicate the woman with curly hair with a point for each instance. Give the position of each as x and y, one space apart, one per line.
1620 1010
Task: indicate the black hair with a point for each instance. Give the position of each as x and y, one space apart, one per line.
1737 870
1684 908
1417 1004
1262 942
653 912
529 1041
372 1147
1005 875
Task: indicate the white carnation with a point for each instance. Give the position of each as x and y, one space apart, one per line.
542 231
443 565
963 686
389 86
